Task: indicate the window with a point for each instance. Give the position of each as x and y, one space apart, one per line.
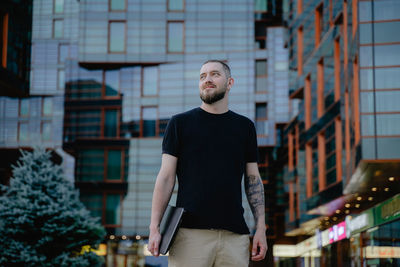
94 203
117 5
116 37
149 123
24 107
261 75
23 134
318 24
150 81
47 108
113 209
111 83
114 164
175 37
63 51
175 5
58 6
320 88
261 119
111 119
3 39
90 165
260 6
46 131
300 51
58 28
61 79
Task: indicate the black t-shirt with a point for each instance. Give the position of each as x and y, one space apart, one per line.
212 152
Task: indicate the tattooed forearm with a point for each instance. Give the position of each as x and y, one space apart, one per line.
255 195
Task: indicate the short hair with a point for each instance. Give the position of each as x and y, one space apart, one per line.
225 66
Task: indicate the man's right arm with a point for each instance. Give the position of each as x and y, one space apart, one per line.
162 193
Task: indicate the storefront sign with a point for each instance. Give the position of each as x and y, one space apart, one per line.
372 252
337 232
285 251
388 210
359 223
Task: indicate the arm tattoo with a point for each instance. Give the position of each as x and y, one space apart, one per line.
255 195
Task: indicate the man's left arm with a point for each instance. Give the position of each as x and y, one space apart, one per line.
255 195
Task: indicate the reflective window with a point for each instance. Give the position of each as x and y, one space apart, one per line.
386 10
260 6
61 79
111 83
261 111
116 37
46 131
261 75
110 123
23 134
388 124
62 53
114 165
90 165
385 78
58 28
384 32
117 5
58 6
367 125
150 81
113 209
175 5
24 107
388 148
387 55
149 121
175 37
47 108
93 202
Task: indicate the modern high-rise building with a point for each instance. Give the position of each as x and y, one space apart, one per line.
342 156
106 76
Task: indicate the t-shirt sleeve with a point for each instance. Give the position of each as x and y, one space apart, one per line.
170 144
252 150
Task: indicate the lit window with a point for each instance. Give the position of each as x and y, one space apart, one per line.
117 5
61 79
23 134
58 28
58 6
111 82
175 5
113 209
46 131
47 106
24 107
150 81
175 37
116 37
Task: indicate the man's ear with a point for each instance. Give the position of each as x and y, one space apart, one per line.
231 81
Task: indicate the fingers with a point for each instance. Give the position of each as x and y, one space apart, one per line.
153 247
258 251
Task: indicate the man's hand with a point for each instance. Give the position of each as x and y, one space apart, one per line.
259 246
154 241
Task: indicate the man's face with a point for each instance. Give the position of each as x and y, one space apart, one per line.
213 82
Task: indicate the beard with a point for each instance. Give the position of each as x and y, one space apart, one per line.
214 97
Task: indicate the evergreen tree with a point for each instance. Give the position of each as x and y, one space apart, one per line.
42 221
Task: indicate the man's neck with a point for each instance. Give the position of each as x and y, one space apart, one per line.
218 107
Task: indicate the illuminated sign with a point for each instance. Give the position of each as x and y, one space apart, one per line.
374 252
337 232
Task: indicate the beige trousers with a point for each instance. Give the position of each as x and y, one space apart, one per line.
209 248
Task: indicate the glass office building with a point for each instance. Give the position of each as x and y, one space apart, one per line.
342 145
117 70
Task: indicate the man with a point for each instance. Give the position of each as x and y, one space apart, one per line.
209 149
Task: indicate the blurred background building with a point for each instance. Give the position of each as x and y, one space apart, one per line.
96 81
100 80
342 148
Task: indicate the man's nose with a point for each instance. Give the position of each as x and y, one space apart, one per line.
208 78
